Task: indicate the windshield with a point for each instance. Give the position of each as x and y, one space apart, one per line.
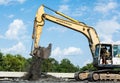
116 50
97 50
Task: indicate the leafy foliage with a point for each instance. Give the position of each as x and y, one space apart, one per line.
17 62
50 65
1 61
67 66
88 67
12 63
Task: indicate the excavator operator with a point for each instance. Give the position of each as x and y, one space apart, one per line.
104 55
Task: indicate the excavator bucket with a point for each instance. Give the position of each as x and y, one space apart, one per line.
42 52
47 51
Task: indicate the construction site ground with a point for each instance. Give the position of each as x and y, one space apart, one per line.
16 78
72 81
50 79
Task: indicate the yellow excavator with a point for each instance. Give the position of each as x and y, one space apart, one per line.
106 56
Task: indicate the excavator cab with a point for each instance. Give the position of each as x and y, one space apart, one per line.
107 56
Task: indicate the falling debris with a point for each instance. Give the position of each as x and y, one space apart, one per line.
38 56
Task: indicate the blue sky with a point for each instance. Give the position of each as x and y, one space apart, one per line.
16 24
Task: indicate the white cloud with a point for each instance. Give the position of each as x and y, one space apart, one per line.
71 53
57 28
1 36
11 16
19 48
117 42
105 7
64 8
66 52
87 62
3 2
21 1
79 11
65 1
22 9
106 29
16 30
6 2
17 33
56 52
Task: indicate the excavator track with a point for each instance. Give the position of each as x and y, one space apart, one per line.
100 75
106 75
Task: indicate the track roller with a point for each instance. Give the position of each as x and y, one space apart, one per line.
95 76
81 76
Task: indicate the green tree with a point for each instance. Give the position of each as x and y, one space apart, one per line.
28 63
22 62
88 67
49 65
67 66
1 61
13 62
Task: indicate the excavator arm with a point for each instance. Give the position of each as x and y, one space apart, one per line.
37 30
68 22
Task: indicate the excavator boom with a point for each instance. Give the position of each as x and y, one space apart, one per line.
70 23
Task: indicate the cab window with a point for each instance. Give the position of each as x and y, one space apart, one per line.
116 50
97 50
